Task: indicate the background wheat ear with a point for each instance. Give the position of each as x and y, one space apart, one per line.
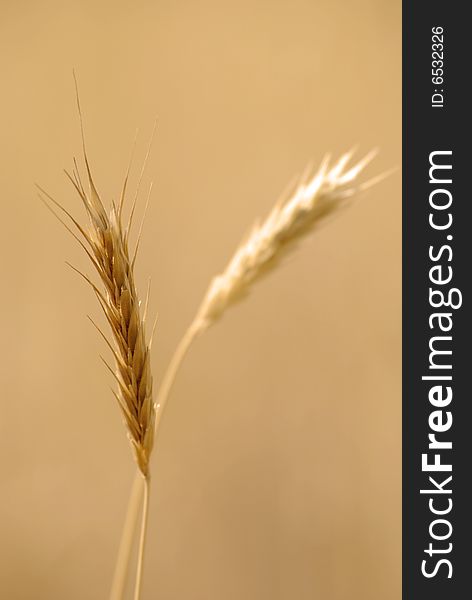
296 215
304 206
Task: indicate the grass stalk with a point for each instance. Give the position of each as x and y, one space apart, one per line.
172 370
105 238
120 575
142 537
297 214
131 519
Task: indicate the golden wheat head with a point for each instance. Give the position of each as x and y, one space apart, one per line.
294 217
105 240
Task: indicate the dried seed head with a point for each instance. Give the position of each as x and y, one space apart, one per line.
312 201
105 241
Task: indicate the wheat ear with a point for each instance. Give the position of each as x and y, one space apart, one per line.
301 209
296 215
106 242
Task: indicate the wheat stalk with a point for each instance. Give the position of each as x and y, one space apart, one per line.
296 215
105 239
301 209
106 242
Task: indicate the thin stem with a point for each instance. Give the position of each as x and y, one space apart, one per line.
142 538
126 543
173 368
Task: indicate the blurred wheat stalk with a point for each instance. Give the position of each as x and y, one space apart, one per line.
302 208
305 205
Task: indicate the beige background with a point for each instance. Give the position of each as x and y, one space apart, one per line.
277 475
